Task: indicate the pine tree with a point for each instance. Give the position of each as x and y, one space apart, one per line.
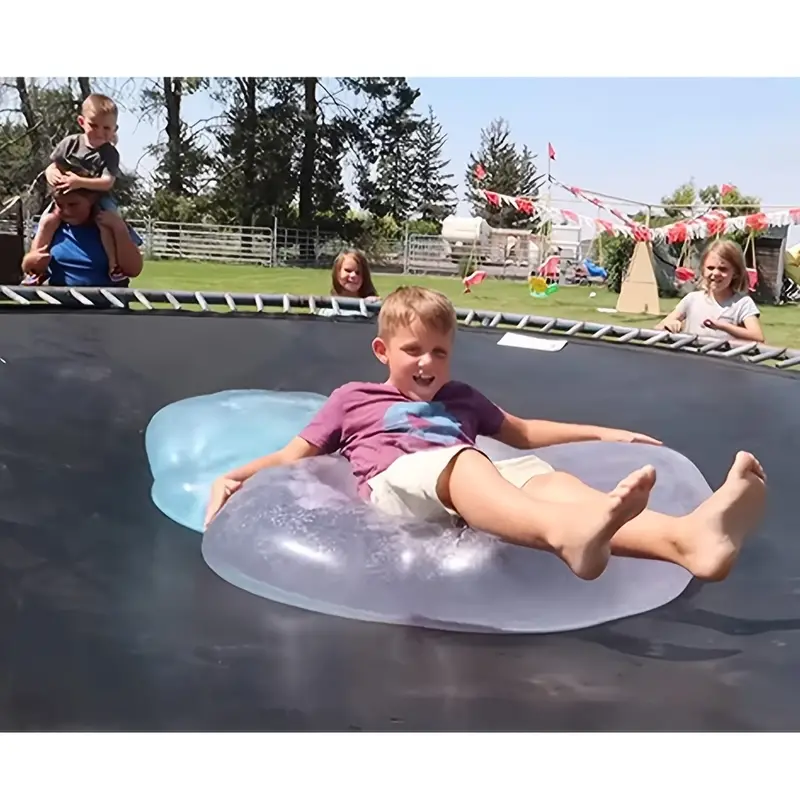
507 171
384 174
434 196
387 188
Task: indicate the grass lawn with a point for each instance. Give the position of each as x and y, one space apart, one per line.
781 324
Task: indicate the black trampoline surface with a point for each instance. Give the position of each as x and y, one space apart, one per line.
111 620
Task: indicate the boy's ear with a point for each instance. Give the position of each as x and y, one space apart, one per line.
379 348
81 120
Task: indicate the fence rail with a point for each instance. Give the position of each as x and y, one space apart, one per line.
292 247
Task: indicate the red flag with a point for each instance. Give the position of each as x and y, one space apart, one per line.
524 205
570 215
551 152
480 172
726 188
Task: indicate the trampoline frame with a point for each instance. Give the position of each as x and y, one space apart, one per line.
118 299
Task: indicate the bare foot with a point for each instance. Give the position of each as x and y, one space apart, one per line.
587 548
716 530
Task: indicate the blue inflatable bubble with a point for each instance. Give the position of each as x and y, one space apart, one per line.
300 535
194 441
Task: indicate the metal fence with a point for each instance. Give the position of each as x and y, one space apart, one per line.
276 246
292 247
236 244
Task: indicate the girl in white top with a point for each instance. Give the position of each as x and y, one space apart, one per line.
723 307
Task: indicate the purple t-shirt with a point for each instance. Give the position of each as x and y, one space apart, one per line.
373 424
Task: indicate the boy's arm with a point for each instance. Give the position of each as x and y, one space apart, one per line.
532 433
103 184
321 435
297 449
224 486
52 174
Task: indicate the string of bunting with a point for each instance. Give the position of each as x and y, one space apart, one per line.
710 223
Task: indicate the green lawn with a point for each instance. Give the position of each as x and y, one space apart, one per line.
781 324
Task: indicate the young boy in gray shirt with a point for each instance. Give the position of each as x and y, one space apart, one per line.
87 160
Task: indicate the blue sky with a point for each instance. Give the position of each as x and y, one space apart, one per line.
638 138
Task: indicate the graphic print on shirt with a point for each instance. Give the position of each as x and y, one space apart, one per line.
431 422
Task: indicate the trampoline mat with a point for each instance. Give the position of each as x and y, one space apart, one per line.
110 619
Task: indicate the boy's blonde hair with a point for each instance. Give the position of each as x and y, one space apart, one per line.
732 254
409 304
99 104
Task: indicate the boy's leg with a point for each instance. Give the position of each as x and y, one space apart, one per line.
107 205
48 225
557 512
109 245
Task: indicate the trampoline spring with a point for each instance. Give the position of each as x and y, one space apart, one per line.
230 302
683 341
113 299
201 301
717 345
604 331
576 328
173 301
47 297
260 303
739 351
17 298
143 300
656 338
81 298
775 353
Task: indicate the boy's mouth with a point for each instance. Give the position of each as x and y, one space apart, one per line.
423 380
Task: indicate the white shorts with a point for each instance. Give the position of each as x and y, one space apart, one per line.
408 486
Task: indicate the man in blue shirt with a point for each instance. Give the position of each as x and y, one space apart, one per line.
76 256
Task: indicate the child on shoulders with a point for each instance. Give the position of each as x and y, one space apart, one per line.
411 444
723 307
87 160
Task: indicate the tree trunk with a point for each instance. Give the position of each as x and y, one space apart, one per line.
309 152
26 107
85 88
248 207
306 249
173 90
